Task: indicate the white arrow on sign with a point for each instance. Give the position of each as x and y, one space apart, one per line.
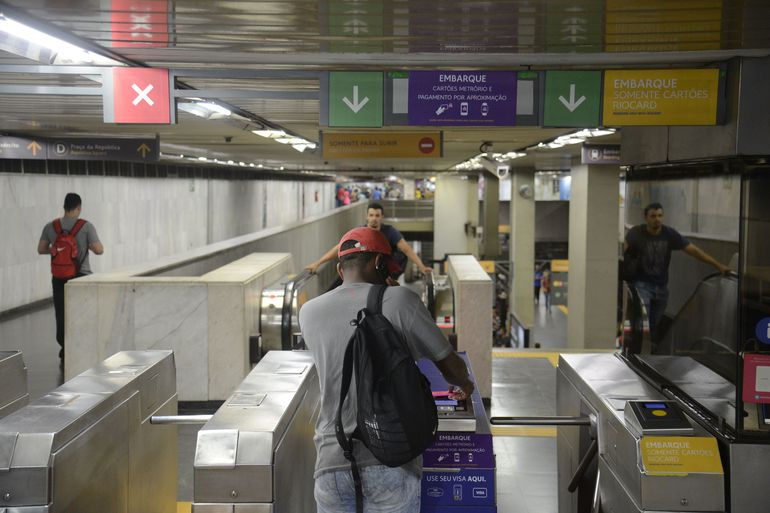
572 104
355 106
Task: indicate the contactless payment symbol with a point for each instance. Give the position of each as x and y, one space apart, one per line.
763 330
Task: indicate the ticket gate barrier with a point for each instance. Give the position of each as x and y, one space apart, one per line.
13 382
459 468
256 454
88 446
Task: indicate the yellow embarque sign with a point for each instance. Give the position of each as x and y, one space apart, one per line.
660 97
680 455
369 145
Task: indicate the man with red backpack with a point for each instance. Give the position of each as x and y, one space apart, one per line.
67 241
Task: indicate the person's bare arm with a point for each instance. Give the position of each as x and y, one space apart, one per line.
97 247
625 246
694 251
406 249
329 255
43 248
455 371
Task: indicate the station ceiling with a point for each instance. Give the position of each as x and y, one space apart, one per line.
281 38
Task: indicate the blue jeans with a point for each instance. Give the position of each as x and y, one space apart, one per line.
655 299
386 490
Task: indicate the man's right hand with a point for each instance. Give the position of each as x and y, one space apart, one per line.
312 268
462 392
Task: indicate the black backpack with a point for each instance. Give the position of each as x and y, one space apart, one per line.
396 415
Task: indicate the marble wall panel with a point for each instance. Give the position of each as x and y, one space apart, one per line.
116 317
175 316
228 340
473 291
137 219
83 349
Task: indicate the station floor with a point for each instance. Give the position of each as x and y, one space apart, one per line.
524 384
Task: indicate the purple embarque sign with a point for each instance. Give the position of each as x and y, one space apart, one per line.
458 98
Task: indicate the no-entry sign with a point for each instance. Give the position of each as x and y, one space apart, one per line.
139 95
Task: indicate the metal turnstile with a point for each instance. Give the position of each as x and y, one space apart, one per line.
88 446
649 455
459 468
13 383
256 454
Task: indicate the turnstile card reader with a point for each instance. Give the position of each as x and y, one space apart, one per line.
657 418
459 468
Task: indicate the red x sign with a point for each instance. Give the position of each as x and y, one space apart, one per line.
141 95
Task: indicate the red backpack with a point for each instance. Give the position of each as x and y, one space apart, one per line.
64 252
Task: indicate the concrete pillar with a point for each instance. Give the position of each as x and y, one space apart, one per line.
454 205
593 257
409 188
522 247
490 241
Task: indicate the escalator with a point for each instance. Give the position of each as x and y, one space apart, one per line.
281 302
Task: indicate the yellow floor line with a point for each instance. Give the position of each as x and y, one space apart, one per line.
183 507
564 309
543 432
550 356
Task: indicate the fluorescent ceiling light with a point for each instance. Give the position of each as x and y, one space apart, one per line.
215 108
64 52
300 147
270 133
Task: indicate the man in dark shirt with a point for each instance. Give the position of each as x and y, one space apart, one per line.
652 243
401 250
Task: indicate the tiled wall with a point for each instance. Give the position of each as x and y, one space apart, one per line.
138 219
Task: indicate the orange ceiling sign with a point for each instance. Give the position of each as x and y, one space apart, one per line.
372 145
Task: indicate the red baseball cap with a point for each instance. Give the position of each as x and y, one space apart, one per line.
369 240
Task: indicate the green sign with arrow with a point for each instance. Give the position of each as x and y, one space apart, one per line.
572 98
355 99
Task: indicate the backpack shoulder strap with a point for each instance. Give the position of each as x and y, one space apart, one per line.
78 225
57 226
345 441
374 299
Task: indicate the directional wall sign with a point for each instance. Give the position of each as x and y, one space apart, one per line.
355 99
142 23
462 98
661 97
600 154
137 95
86 148
572 98
22 148
341 145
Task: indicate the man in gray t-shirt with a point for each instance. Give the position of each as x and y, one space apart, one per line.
325 322
86 239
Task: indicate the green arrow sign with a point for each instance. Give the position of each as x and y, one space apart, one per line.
355 99
572 98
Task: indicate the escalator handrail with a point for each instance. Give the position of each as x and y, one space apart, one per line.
287 310
429 282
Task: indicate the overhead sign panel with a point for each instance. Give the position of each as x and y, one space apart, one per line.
355 99
87 148
346 145
22 148
462 98
139 23
661 97
138 96
572 98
